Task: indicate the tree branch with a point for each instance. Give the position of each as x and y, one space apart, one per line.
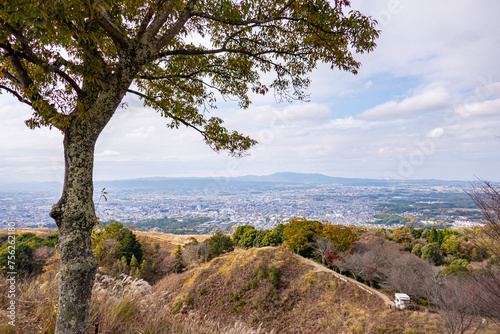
144 24
174 30
160 19
106 22
30 56
24 81
277 17
16 94
12 78
176 118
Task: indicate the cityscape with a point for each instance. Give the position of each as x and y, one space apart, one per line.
261 204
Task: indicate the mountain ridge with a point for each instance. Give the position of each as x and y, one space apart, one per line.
275 178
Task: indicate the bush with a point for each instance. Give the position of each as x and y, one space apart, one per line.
219 244
273 275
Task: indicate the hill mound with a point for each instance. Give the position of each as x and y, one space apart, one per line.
280 291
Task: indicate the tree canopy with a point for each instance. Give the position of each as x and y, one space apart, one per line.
73 62
179 57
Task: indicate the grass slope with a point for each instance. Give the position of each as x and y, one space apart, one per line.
279 290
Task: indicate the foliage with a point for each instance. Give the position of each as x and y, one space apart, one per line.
130 247
117 248
456 268
298 233
26 253
330 258
240 231
432 253
178 264
219 244
73 62
341 236
188 225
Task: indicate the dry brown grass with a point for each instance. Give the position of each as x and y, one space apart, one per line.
237 287
176 239
119 305
233 294
41 232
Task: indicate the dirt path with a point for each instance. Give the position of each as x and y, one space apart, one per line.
362 286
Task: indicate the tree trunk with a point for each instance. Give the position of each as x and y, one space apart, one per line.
75 218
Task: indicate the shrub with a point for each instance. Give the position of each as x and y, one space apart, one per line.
273 275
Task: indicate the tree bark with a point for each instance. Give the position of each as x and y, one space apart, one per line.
75 217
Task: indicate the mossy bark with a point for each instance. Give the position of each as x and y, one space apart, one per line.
75 218
74 213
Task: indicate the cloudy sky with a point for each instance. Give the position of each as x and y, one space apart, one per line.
425 104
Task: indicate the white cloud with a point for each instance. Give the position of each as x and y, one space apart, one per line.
428 99
348 123
295 115
435 133
141 132
107 153
474 108
396 102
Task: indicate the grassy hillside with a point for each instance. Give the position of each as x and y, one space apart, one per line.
267 290
282 291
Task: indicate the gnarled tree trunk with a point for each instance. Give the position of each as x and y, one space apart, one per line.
75 218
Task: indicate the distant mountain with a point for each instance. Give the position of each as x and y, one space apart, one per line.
32 186
315 178
288 177
249 181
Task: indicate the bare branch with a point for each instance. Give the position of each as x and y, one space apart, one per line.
144 24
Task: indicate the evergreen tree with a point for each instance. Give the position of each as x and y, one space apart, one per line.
433 236
130 246
133 262
124 265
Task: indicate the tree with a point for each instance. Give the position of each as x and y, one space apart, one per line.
240 232
219 244
130 247
432 253
455 304
486 195
410 274
178 263
259 238
321 247
196 253
417 250
298 233
134 265
74 61
433 236
271 239
248 239
342 236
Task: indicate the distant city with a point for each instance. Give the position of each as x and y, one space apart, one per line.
262 202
